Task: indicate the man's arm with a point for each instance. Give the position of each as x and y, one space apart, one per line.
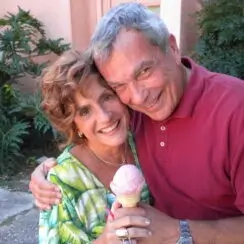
46 194
223 231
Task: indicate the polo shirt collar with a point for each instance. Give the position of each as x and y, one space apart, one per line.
193 90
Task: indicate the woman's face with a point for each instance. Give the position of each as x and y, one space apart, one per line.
101 117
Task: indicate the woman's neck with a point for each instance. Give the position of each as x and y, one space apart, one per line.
112 155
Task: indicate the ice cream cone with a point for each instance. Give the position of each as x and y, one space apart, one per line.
127 184
129 201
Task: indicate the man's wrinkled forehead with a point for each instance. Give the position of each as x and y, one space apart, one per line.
129 52
117 68
126 37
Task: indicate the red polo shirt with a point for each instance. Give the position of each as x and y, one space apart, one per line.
194 161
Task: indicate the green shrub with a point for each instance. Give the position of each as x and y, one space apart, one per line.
11 138
22 38
221 43
29 107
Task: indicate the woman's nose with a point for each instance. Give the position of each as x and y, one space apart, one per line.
104 114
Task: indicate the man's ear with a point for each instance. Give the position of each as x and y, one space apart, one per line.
174 49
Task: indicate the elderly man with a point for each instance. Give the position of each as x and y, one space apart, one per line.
188 125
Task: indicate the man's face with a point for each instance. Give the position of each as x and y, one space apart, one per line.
145 79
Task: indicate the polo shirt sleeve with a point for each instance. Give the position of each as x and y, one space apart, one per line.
236 144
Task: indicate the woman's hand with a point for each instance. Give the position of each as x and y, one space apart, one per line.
135 227
164 228
45 193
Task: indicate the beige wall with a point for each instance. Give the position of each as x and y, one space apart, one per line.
85 14
84 17
75 20
55 14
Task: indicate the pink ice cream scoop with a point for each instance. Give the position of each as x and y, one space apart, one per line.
127 184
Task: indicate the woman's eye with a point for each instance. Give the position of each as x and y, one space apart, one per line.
84 112
108 97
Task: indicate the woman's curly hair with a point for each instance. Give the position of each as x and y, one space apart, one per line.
59 83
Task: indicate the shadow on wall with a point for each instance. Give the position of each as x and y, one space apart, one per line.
189 29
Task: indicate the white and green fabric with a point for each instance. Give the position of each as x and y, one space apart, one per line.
81 216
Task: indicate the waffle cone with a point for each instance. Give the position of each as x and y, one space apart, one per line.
129 201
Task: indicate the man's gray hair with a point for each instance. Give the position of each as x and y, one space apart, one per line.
129 16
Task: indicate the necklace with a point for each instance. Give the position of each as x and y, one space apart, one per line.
109 163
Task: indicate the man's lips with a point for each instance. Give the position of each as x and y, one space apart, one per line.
154 102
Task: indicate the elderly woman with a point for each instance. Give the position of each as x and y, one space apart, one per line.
88 113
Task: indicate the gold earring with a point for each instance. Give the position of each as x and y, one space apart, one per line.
80 134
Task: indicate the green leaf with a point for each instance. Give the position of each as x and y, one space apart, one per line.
220 47
69 233
11 138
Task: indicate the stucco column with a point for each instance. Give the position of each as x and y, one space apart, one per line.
85 14
170 12
179 16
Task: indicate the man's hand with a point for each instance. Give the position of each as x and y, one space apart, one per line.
164 228
46 194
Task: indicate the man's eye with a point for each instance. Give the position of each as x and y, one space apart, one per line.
118 87
144 71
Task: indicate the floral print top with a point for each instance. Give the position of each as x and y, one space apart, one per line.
81 216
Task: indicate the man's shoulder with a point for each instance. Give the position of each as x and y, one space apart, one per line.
214 80
222 100
225 89
224 79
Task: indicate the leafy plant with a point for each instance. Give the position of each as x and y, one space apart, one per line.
54 46
29 106
11 134
22 39
221 43
12 131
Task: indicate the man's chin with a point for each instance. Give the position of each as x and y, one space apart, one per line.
158 116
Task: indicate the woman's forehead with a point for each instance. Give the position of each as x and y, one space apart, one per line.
91 88
85 83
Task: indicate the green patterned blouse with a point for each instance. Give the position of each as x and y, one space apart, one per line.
81 216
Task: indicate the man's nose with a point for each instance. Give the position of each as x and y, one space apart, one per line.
137 94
